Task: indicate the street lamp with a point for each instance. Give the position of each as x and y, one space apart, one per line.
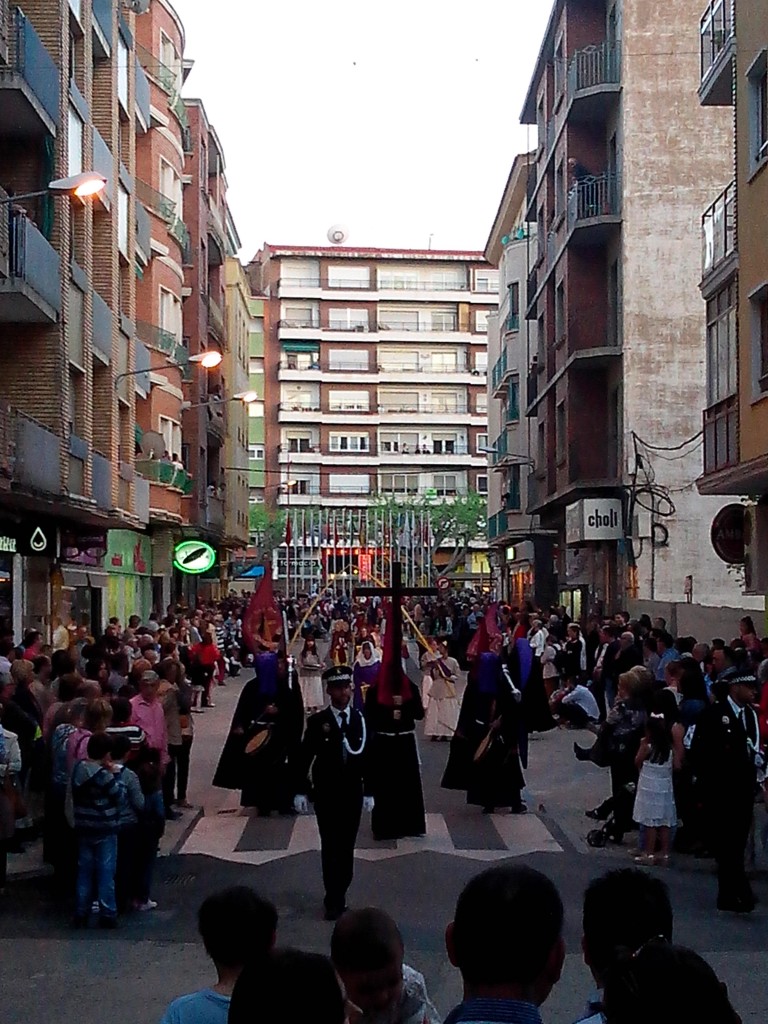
522 460
88 183
246 397
208 361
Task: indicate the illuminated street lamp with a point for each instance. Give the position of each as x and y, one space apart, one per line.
83 185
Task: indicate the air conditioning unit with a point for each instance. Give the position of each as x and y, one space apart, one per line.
756 549
642 526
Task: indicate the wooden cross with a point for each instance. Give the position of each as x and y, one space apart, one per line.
397 592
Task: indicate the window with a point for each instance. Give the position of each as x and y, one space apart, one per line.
300 272
399 483
348 359
560 432
758 109
399 401
255 366
559 188
513 314
446 484
348 319
171 431
349 401
298 442
170 59
74 142
721 346
512 500
481 321
481 444
482 483
170 185
75 325
437 279
446 401
559 69
486 281
481 362
299 396
300 314
481 403
513 401
348 275
256 410
759 310
421 318
444 362
122 72
349 483
402 442
560 313
349 442
307 483
405 360
300 360
256 452
446 444
170 313
122 221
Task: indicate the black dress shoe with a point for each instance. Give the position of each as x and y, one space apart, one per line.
333 912
735 906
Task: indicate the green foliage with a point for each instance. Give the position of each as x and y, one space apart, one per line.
454 521
267 525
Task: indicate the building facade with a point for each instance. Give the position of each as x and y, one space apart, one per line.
236 447
620 364
735 272
375 365
522 553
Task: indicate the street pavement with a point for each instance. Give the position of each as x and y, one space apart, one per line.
128 976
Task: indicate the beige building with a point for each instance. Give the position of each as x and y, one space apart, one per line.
235 370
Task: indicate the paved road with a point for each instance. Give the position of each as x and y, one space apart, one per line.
132 973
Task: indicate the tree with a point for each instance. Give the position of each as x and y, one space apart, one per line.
454 523
267 527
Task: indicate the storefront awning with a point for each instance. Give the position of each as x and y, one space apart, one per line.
254 573
300 346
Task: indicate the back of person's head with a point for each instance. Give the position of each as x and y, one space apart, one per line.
237 927
121 747
488 942
98 715
665 984
365 940
121 711
290 986
623 909
99 745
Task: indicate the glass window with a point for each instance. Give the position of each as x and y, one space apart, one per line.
349 401
398 359
75 325
122 72
349 442
445 484
486 280
399 401
74 143
348 319
444 361
721 346
758 109
481 321
400 441
347 359
399 483
122 221
349 483
304 272
348 275
482 484
300 314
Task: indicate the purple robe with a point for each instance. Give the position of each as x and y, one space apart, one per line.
364 675
266 673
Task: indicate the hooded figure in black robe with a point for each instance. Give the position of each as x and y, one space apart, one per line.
270 702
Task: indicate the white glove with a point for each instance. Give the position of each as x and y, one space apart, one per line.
517 695
300 804
367 804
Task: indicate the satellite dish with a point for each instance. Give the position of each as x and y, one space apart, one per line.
338 234
152 444
138 6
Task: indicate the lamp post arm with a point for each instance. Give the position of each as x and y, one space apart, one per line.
25 195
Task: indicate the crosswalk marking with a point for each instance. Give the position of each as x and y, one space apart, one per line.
222 836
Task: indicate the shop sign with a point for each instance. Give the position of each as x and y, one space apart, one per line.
594 519
129 552
727 534
28 539
83 548
194 557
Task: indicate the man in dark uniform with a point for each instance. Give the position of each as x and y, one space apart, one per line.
726 760
331 770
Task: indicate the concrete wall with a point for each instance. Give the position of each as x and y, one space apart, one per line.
676 156
697 620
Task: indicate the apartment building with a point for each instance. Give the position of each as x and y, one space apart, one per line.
375 364
236 446
72 98
256 434
521 553
734 72
616 192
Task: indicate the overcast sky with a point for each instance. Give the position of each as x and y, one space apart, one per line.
398 120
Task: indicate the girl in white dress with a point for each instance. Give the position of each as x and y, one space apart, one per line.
310 677
661 752
440 682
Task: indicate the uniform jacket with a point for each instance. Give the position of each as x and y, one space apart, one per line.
721 756
321 769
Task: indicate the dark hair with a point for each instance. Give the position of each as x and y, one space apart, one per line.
237 926
650 642
491 947
289 986
365 940
121 710
40 662
62 663
666 984
93 667
622 910
662 637
662 716
121 745
99 745
691 685
68 685
747 621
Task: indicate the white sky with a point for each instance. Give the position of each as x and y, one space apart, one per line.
399 120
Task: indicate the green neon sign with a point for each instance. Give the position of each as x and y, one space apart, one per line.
194 557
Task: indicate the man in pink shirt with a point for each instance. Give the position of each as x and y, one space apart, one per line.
148 713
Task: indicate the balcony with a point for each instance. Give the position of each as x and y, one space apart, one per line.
721 435
162 341
718 236
718 50
215 318
448 325
217 246
30 454
143 234
214 514
177 229
178 107
593 210
425 408
594 79
103 328
29 85
101 469
154 67
143 98
165 474
499 374
156 202
497 525
102 16
216 423
32 291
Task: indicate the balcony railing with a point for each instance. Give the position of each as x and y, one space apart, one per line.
143 229
512 322
30 454
301 323
215 317
166 474
156 202
718 230
162 340
299 407
716 29
594 66
101 469
459 409
499 370
102 326
155 68
405 325
215 512
178 230
497 525
33 63
721 435
178 107
32 260
595 196
143 94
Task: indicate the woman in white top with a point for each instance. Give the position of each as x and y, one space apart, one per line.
10 766
441 679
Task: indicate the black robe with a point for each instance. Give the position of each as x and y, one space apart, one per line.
263 777
393 762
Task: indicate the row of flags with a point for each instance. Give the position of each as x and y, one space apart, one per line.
357 527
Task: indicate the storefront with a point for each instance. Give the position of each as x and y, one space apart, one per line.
79 582
129 574
26 552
